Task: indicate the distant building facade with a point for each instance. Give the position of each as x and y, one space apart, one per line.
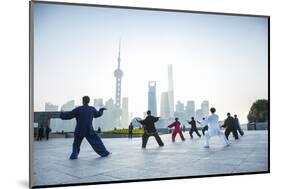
152 102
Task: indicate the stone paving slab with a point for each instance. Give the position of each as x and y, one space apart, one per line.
128 161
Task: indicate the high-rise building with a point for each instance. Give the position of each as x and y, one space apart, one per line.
152 103
205 108
125 113
68 106
180 113
108 121
199 114
51 107
118 73
171 90
164 105
98 103
190 109
179 107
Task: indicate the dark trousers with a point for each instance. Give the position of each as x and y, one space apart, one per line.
130 135
204 129
194 130
145 137
94 141
228 131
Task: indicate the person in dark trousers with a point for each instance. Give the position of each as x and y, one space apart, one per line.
149 129
84 128
183 128
238 126
193 128
130 130
229 125
203 123
176 130
48 130
40 133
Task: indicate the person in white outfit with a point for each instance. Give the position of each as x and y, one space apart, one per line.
214 129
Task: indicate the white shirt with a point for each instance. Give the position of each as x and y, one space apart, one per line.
213 125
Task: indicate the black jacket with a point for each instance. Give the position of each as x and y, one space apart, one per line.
148 124
193 124
229 123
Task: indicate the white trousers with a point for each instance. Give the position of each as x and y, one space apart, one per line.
220 134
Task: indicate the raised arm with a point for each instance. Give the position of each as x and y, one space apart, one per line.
172 125
68 115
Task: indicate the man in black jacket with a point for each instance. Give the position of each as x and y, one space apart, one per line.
229 124
149 129
193 128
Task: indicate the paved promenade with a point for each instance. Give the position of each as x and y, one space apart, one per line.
129 161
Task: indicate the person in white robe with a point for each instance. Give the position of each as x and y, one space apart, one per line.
214 129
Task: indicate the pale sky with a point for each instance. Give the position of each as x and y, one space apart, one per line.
218 58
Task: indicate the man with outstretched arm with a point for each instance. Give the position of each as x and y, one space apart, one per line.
149 129
84 128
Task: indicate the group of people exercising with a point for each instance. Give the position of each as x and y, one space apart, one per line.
85 114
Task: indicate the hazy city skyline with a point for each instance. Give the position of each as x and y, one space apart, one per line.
222 59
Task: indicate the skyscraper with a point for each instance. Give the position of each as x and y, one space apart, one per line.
199 114
98 103
190 109
164 105
205 108
51 107
125 113
118 73
152 105
68 106
171 90
179 113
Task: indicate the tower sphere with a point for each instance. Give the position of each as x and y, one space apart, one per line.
118 73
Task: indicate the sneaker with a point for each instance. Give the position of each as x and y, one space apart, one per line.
206 146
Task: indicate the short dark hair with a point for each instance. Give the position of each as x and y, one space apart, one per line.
148 112
176 119
86 100
213 110
235 115
192 118
228 114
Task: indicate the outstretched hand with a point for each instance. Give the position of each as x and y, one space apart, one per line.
102 109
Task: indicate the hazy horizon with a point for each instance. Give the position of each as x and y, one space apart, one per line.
219 58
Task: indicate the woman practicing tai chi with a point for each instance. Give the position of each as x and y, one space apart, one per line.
176 130
214 129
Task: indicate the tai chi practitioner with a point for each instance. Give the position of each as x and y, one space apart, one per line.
238 126
203 123
214 129
84 128
149 129
193 128
130 130
177 129
229 124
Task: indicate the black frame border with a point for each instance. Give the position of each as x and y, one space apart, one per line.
31 90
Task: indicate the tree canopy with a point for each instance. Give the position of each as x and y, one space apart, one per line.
258 111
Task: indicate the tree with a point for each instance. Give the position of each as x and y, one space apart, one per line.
258 111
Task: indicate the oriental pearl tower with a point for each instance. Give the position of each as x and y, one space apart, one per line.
118 73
